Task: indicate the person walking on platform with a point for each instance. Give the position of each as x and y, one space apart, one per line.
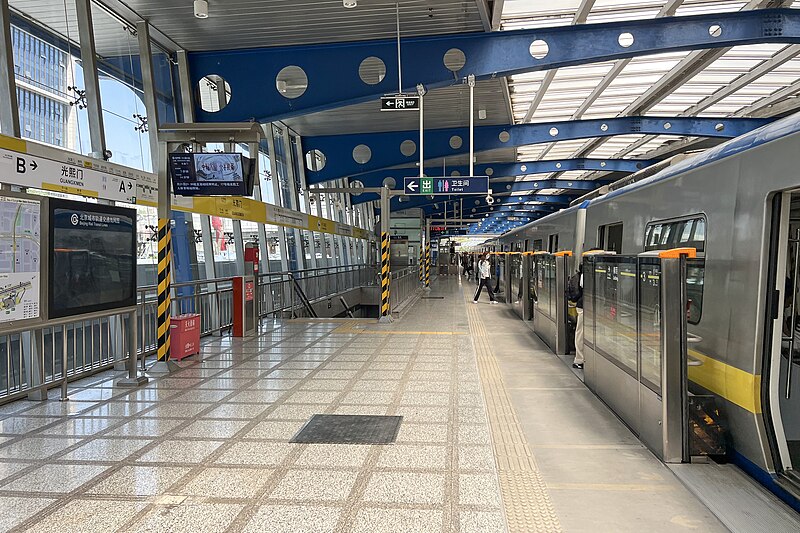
575 294
467 262
484 274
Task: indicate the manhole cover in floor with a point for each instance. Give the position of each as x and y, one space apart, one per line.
349 429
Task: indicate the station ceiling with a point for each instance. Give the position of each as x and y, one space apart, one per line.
755 80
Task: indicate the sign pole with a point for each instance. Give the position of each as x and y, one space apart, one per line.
386 274
421 91
471 81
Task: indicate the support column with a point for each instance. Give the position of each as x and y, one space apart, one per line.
91 79
386 272
428 255
276 192
9 107
301 171
293 197
164 199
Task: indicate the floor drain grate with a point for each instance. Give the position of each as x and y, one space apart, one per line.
349 429
433 297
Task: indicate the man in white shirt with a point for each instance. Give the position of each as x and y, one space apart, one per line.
484 275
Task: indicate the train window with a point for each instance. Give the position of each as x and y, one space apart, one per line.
526 246
537 245
688 232
609 237
552 244
695 278
614 243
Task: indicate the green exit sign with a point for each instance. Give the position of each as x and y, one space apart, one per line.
426 185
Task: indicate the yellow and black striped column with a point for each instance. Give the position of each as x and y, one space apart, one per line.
164 275
421 264
427 264
385 275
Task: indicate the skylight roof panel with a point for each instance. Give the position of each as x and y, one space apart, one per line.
622 15
719 6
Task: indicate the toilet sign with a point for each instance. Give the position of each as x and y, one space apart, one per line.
447 185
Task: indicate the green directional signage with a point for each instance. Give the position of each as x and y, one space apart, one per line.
426 186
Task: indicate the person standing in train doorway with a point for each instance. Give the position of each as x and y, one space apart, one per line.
485 276
575 294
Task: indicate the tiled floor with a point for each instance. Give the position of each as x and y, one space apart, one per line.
497 435
206 448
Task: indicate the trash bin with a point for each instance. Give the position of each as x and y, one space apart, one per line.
184 336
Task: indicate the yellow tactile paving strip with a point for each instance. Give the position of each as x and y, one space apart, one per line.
526 501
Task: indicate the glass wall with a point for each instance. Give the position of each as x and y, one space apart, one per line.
49 77
53 109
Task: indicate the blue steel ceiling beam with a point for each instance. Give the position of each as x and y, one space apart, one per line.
501 170
501 187
382 150
332 70
560 200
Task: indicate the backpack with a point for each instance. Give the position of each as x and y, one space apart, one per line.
574 290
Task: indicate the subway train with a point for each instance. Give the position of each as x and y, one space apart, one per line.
738 205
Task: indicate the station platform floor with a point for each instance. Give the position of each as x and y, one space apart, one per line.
497 435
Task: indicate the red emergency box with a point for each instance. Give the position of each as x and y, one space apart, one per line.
184 331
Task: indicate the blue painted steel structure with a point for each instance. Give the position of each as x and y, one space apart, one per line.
332 70
500 170
473 201
385 147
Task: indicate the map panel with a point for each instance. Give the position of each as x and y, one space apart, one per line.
20 259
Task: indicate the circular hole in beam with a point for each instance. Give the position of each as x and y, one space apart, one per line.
455 173
715 30
362 154
408 148
456 142
454 60
539 49
389 182
625 39
372 70
211 93
504 136
553 132
719 127
291 82
604 127
489 171
315 160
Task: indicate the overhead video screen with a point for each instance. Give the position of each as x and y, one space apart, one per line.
92 263
211 174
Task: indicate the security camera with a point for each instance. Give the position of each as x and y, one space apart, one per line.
201 9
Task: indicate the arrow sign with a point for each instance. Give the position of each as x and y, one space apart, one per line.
447 185
399 102
34 166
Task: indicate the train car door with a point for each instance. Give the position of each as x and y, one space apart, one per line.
781 370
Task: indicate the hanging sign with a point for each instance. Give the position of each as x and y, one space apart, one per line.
400 102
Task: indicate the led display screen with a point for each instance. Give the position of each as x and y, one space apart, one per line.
211 174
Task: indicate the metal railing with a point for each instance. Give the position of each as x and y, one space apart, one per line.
404 283
34 359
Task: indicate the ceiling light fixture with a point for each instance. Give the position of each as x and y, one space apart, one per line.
201 9
350 4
